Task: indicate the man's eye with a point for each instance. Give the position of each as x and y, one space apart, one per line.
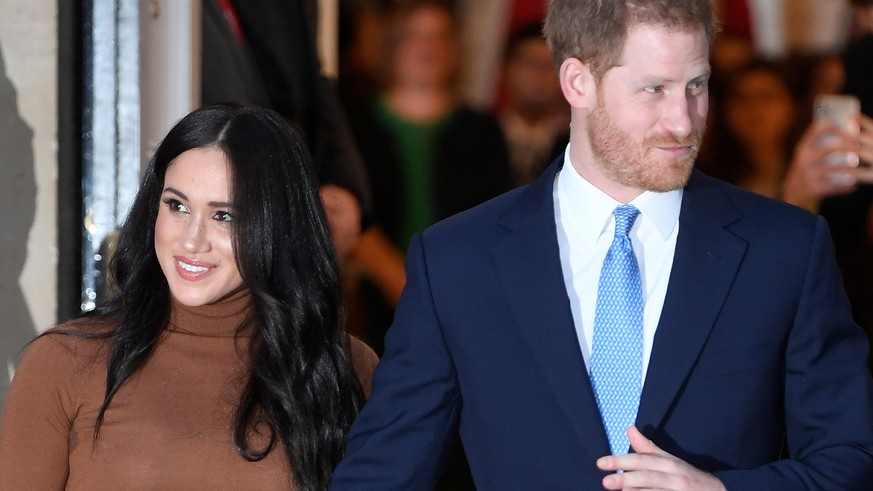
655 90
697 87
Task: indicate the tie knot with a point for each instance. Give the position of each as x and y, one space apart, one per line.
625 215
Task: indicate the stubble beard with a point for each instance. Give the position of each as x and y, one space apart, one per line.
637 164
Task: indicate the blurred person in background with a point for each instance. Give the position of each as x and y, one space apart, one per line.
264 52
427 153
826 74
752 136
763 140
533 115
858 57
363 28
851 216
847 215
730 50
429 156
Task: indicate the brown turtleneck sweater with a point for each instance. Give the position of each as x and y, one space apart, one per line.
169 426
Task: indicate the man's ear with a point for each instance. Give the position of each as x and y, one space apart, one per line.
577 83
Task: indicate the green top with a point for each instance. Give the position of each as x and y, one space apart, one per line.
417 145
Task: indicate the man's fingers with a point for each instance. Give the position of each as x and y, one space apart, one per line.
639 480
637 461
651 468
647 455
641 444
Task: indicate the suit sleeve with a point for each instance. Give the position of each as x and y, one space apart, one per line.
35 429
828 396
400 438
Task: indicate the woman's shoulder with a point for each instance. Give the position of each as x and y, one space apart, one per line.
52 370
364 360
72 342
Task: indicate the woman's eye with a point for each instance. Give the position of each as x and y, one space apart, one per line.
223 216
175 205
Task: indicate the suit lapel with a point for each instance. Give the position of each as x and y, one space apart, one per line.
528 262
706 260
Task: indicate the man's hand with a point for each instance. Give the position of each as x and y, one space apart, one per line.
652 468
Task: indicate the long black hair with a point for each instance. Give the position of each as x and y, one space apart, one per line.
301 384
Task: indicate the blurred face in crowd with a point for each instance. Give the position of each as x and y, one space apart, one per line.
531 81
646 127
426 50
759 109
731 51
193 238
828 76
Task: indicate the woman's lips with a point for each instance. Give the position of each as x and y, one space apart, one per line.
192 270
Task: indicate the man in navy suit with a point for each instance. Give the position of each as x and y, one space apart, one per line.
749 352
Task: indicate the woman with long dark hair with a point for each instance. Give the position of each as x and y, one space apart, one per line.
219 362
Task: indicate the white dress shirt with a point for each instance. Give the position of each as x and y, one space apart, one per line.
586 228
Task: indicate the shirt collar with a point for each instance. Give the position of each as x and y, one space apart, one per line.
590 209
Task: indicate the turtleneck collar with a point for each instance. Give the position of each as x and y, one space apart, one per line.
220 319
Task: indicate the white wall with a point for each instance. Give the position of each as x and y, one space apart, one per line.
28 175
28 38
169 75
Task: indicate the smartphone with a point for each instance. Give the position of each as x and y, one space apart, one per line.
841 111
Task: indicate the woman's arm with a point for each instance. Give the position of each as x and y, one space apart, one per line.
37 417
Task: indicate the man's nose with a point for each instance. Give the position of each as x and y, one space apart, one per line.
677 115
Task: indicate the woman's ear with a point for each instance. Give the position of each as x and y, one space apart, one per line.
577 83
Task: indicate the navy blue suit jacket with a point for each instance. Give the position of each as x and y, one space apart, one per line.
755 351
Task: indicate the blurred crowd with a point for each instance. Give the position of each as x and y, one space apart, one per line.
429 152
429 155
401 145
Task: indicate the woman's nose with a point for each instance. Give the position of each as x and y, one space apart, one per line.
195 237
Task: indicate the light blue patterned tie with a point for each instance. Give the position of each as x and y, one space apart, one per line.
617 348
